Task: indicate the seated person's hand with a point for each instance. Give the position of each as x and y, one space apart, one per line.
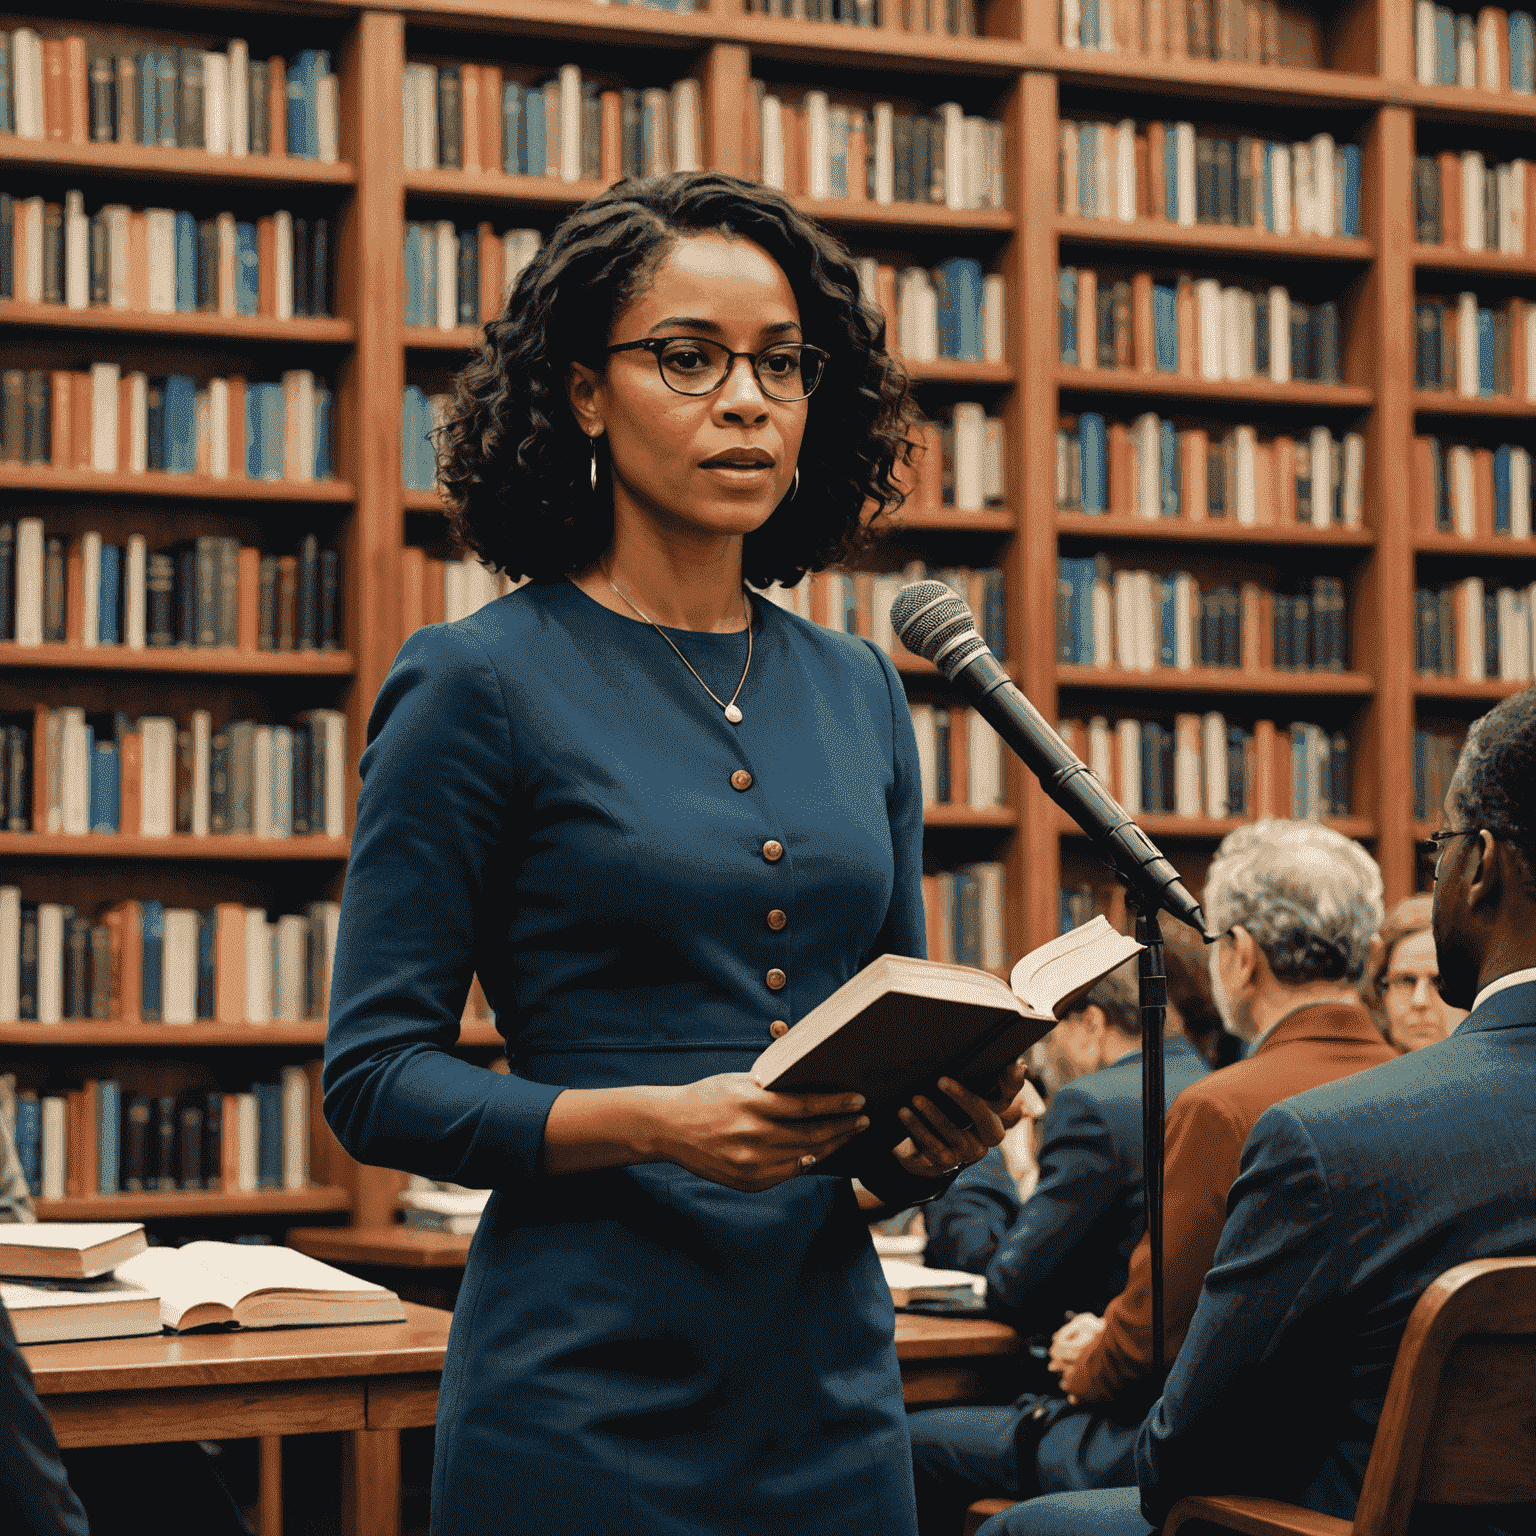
1072 1342
935 1147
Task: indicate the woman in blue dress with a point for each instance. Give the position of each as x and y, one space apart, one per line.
662 818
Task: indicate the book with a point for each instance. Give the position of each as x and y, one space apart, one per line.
243 1285
58 1311
911 1282
68 1250
441 1210
897 1026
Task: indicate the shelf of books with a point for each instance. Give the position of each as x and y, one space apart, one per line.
1221 317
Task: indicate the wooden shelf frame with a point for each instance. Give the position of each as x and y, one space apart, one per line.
103 319
219 661
220 847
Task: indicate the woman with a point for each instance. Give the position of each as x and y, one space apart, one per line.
1401 985
662 820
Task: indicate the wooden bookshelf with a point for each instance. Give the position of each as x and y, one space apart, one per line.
179 845
1112 527
192 1204
100 482
223 661
139 322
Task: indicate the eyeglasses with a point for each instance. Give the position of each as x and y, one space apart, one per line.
1432 848
689 365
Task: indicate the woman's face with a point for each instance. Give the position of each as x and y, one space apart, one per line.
666 448
1416 1013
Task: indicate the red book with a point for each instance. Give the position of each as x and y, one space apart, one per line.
77 114
55 91
277 129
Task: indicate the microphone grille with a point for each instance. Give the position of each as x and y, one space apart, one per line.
932 622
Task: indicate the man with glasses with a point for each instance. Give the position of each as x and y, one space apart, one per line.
1353 1198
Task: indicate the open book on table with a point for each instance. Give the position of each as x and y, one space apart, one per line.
901 1024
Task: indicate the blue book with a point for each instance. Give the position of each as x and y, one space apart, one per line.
253 431
1168 469
1501 488
512 128
108 629
1351 189
180 424
104 786
247 270
149 72
1168 651
1093 446
428 275
413 270
534 149
109 1104
1090 23
1267 188
1066 912
1171 173
29 1140
269 1135
186 264
273 420
167 113
1522 53
994 613
1300 800
154 412
1445 46
207 935
152 924
303 92
963 278
1485 351
1083 608
967 917
409 398
1151 767
1066 306
7 109
1237 761
1165 327
1087 170
325 450
838 135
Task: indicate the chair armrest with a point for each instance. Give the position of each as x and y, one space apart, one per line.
1254 1517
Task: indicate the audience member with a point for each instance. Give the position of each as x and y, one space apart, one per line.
1296 904
1352 1199
1191 999
1402 980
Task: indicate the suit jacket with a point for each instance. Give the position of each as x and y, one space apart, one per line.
1067 1246
1206 1129
1351 1200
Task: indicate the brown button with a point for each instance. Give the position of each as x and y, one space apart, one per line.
777 1028
741 779
777 979
773 851
777 919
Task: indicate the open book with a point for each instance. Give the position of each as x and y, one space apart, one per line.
901 1024
68 1250
250 1285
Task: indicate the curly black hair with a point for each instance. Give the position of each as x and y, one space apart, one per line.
514 465
1498 768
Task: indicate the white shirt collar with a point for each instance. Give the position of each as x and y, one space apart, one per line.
1514 979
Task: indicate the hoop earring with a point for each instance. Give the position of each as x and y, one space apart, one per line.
794 485
594 465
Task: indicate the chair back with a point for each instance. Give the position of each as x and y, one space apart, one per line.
1459 1422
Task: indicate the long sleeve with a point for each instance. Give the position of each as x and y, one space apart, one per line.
966 1224
35 1495
436 827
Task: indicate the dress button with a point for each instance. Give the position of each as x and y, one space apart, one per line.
776 979
741 779
777 1028
773 851
776 919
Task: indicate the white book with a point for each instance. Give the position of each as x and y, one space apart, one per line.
1303 190
237 79
10 953
216 103
1466 362
1208 323
299 452
178 990
1071 23
817 144
1188 798
952 116
135 591
1122 584
1354 480
1473 173
52 1151
55 739
410 113
157 747
29 581
518 248
985 747
1424 41
970 434
1232 333
288 967
160 247
104 377
1184 171
773 142
1322 476
245 1143
261 782
1466 53
1514 664
656 131
282 782
1323 185
325 921
60 1311
138 422
1520 493
926 732
1097 755
1213 755
335 770
224 224
115 217
258 967
1530 355
994 297
1512 210
202 759
1183 621
885 152
994 460
1144 596
1103 622
1103 171
282 263
1244 465
295 1128
569 147
1462 513
447 275
426 116
77 252
50 962
1279 335
75 800
1146 442
1066 158
1129 733
1473 654
685 125
203 426
27 82
90 588
327 118
1125 170
218 427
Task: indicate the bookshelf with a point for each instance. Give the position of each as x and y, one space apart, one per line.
1363 89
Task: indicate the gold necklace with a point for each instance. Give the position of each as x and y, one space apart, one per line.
732 713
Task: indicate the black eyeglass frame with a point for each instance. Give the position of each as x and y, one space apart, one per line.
1433 846
654 345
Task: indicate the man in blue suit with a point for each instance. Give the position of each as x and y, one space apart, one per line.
1352 1198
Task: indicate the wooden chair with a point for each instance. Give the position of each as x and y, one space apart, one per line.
1458 1425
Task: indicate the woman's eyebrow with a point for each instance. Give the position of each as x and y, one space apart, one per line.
709 325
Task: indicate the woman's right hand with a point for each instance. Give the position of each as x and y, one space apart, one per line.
728 1130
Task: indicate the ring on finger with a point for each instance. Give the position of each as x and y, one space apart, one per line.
809 1160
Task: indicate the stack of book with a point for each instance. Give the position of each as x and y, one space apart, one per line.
1474 632
1201 328
86 89
954 18
163 260
107 421
1471 490
99 1280
1435 755
967 916
207 591
1159 170
1460 200
1202 765
1153 467
462 276
440 591
960 757
1475 349
1142 620
950 311
69 772
422 414
432 1207
1234 31
142 962
1492 51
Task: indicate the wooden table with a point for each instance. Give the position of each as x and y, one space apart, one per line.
371 1381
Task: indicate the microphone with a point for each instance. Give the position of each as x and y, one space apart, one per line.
933 622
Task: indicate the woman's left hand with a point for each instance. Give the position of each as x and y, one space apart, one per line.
934 1147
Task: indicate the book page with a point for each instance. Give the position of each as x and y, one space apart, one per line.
902 1274
71 1293
1067 966
245 1269
181 1283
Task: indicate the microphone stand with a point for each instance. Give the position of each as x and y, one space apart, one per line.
1153 986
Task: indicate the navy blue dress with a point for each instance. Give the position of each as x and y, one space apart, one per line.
548 801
